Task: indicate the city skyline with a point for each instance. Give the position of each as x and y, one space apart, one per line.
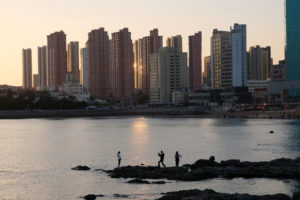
265 24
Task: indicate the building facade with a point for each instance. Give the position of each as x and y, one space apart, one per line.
36 81
98 64
207 72
138 64
73 60
195 62
57 59
150 45
168 74
221 59
122 66
84 67
292 39
239 55
278 72
259 63
73 88
42 65
27 68
175 42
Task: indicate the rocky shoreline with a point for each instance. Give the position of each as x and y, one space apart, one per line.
208 169
212 195
205 195
282 168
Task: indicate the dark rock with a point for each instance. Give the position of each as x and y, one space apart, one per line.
281 162
141 181
271 132
90 197
231 163
212 195
123 196
206 169
296 196
138 181
203 163
212 158
81 168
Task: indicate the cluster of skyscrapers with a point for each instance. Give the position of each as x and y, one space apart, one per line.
116 68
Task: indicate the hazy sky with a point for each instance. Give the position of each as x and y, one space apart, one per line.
26 23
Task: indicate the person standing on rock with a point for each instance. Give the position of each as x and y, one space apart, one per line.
119 158
177 158
161 160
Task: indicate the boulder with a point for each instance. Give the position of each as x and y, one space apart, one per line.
90 197
81 168
121 196
231 163
138 181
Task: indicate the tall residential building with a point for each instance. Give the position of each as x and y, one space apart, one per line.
36 81
239 55
168 74
84 67
122 66
293 39
221 59
259 63
207 72
195 62
229 57
73 60
98 64
176 42
27 68
42 65
149 45
138 63
57 59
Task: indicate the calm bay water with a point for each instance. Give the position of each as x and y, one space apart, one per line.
36 155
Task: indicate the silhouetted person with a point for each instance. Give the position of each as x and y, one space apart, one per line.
119 158
177 158
161 160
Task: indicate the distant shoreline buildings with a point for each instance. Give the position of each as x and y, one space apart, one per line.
117 69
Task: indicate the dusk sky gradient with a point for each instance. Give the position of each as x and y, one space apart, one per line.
26 23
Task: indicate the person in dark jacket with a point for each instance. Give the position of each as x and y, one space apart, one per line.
161 160
177 158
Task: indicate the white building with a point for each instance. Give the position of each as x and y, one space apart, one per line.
73 88
239 55
84 67
168 74
229 57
